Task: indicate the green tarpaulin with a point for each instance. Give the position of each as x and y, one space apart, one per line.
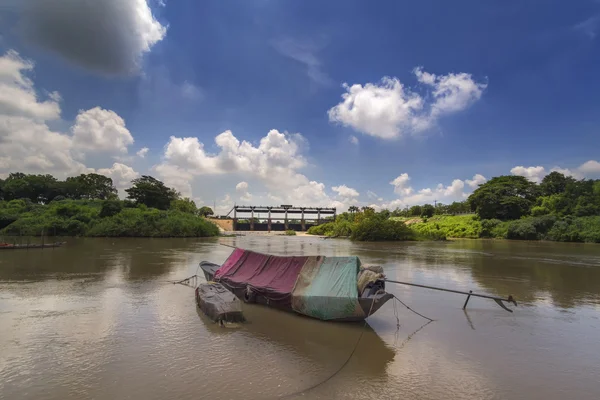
326 288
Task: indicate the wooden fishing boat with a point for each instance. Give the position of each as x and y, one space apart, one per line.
327 288
218 303
11 246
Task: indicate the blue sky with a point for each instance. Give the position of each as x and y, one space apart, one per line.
504 87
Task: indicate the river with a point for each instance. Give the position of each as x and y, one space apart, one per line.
98 319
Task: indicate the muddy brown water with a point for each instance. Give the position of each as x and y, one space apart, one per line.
98 319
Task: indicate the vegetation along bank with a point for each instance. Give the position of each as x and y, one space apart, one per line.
560 208
87 205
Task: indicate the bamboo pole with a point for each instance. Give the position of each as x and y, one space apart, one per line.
470 293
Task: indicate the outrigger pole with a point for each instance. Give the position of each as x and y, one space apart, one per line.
498 300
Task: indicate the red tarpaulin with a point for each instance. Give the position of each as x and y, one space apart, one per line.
229 263
272 276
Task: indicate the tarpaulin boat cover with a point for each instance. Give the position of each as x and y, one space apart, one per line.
273 277
327 288
320 287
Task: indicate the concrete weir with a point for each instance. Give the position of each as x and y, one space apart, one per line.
282 218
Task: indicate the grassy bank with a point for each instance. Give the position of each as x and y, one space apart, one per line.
378 227
370 226
546 227
99 218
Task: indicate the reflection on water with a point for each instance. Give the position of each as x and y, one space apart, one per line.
98 318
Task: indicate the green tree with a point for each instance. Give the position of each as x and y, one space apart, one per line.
427 211
504 198
384 214
441 209
185 205
90 186
151 192
110 208
205 211
555 183
37 188
458 207
415 211
353 209
398 212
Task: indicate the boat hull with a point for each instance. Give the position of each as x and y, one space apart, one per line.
30 246
368 304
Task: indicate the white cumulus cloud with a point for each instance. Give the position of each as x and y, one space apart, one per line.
142 152
345 191
121 174
477 180
242 190
388 109
383 110
28 144
176 178
275 161
591 167
101 130
457 190
18 97
401 185
534 174
452 92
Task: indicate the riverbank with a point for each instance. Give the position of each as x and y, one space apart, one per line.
98 218
438 227
546 227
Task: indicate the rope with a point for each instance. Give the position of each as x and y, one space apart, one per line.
343 365
396 315
186 281
413 334
419 314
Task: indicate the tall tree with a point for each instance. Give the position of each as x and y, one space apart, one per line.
555 183
151 192
37 188
427 211
504 198
205 211
90 186
369 211
185 205
458 207
353 209
415 211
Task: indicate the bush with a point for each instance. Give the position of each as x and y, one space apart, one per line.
323 229
374 229
539 211
522 230
543 224
582 229
290 232
342 229
98 218
110 208
488 226
153 223
459 226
